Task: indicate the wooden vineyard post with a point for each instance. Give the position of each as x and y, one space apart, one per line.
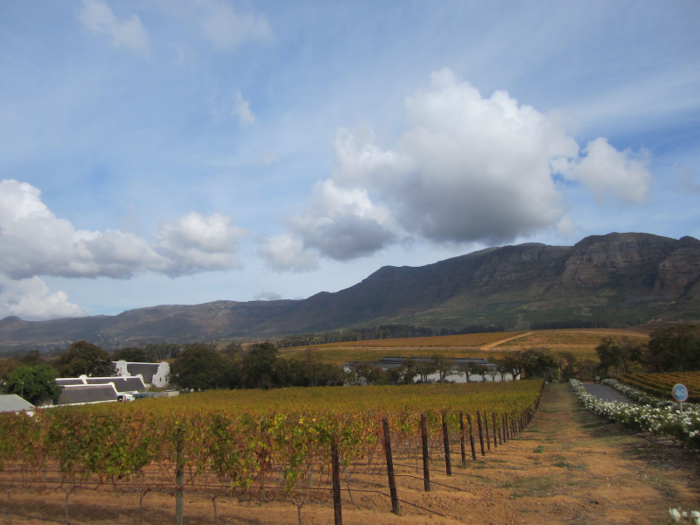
495 431
337 509
505 428
461 437
481 434
471 436
486 428
426 458
179 482
390 467
446 439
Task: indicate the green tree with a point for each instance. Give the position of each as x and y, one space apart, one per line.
32 358
537 363
568 365
467 370
258 365
442 366
425 368
36 384
84 358
199 367
674 349
409 370
131 355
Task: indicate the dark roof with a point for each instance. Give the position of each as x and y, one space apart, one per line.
121 384
87 394
147 370
14 403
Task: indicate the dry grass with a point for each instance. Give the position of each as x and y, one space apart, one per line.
463 340
576 337
579 342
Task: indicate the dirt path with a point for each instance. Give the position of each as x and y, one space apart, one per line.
567 467
488 346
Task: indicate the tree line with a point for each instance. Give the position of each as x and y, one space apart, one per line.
669 349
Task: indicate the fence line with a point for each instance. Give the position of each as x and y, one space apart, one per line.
179 478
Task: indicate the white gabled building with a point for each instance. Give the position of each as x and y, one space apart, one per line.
152 374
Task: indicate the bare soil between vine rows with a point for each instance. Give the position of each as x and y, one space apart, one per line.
568 466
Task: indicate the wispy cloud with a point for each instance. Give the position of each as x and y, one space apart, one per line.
227 29
97 17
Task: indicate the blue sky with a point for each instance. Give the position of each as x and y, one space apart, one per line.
185 151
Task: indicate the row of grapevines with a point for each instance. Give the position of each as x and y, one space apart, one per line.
660 384
243 435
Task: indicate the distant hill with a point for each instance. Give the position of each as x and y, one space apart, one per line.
621 279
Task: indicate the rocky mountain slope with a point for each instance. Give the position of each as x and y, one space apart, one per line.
617 278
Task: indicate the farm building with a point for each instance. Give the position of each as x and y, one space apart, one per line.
152 374
14 403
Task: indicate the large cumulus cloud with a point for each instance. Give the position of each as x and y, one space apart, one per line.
466 169
34 242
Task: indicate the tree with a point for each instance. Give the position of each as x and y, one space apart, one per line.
513 362
480 370
199 367
537 363
131 355
493 372
409 370
425 368
608 354
36 384
258 366
32 358
442 366
568 365
674 349
467 370
84 358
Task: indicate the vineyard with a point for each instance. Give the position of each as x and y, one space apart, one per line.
263 445
660 384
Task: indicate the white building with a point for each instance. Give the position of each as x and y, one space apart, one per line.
152 374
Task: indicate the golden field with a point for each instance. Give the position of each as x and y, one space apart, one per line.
580 341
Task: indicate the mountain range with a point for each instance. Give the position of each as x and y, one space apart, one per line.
620 279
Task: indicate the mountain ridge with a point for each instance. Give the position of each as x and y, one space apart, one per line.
624 278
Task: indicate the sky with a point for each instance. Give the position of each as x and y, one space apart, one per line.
186 151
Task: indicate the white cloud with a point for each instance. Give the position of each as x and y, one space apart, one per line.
267 296
97 17
34 241
605 170
30 299
286 252
196 243
227 29
242 110
342 223
466 169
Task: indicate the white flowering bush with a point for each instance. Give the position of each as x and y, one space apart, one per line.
664 420
679 515
639 396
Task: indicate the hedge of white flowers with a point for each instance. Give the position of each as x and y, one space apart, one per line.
666 420
641 397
